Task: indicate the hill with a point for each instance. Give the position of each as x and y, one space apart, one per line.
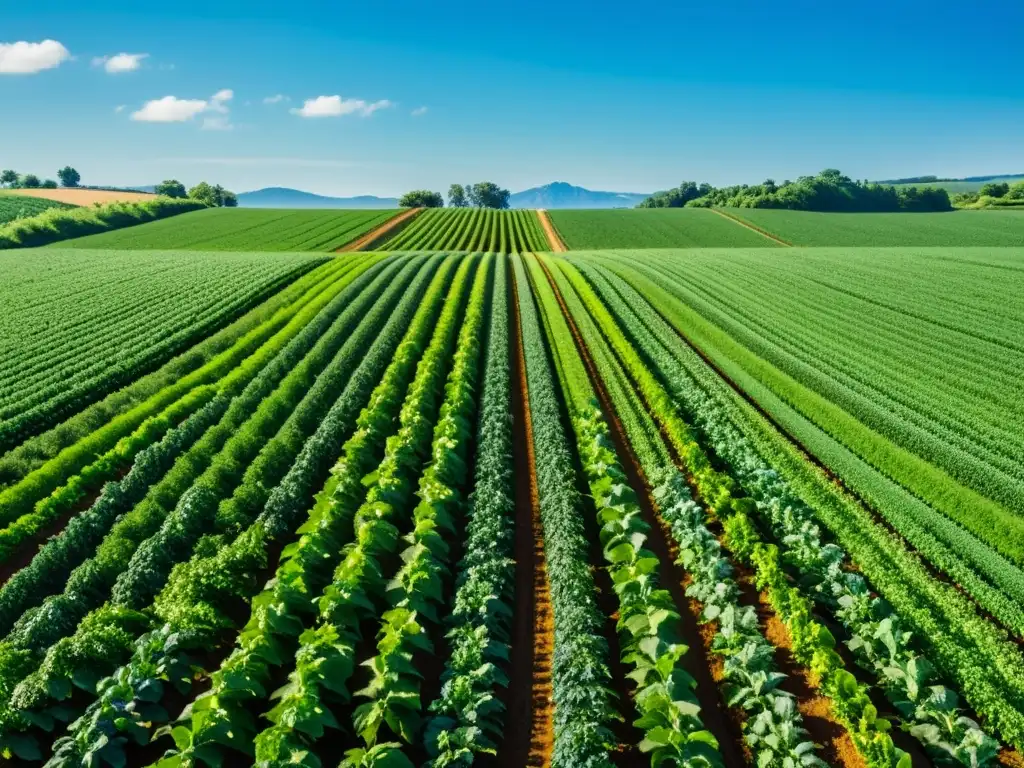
955 186
559 194
283 197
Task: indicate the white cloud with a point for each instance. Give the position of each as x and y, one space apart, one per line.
276 99
119 108
122 62
419 111
24 58
335 106
170 109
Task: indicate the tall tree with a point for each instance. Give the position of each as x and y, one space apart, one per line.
213 196
421 198
457 196
30 181
8 178
487 194
69 177
171 188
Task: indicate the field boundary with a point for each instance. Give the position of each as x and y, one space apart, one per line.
376 235
554 239
748 225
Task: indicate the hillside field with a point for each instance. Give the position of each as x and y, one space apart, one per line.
83 196
17 206
466 501
235 229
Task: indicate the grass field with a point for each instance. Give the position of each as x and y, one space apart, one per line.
653 228
954 187
16 206
698 507
471 229
234 229
957 228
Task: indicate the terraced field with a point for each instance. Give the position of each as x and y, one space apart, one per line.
234 229
471 229
953 229
653 228
685 507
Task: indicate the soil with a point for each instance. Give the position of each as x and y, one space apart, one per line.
375 236
699 662
557 246
83 196
529 724
748 225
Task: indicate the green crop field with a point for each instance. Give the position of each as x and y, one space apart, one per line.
242 229
956 228
954 187
653 228
76 325
705 507
471 229
18 206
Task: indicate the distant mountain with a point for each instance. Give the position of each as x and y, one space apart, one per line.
559 194
283 197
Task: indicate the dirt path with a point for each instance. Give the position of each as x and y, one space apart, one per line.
672 577
554 240
529 723
751 227
375 236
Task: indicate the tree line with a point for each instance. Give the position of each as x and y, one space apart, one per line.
830 190
484 194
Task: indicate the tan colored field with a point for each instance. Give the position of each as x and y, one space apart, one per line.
82 196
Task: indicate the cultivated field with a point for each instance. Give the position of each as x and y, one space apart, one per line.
703 507
471 229
957 228
653 228
234 229
83 196
17 206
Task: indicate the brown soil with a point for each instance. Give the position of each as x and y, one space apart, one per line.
699 661
554 239
1010 758
83 196
753 228
529 725
377 236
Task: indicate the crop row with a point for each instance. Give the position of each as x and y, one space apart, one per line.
471 229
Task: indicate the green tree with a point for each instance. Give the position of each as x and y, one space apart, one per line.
30 181
213 196
1016 192
69 177
8 178
457 196
49 184
487 194
995 189
230 199
171 188
421 198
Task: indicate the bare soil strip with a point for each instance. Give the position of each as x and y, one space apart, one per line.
748 225
554 239
376 236
83 196
698 661
529 727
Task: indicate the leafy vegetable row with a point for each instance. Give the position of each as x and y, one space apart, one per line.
467 717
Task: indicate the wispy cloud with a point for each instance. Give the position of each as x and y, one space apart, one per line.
419 112
121 63
276 99
120 108
24 58
335 106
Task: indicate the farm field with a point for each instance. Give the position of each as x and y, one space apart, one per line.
446 507
954 187
235 229
15 206
952 229
83 196
653 228
470 229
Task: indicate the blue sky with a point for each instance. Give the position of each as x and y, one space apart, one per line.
618 96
